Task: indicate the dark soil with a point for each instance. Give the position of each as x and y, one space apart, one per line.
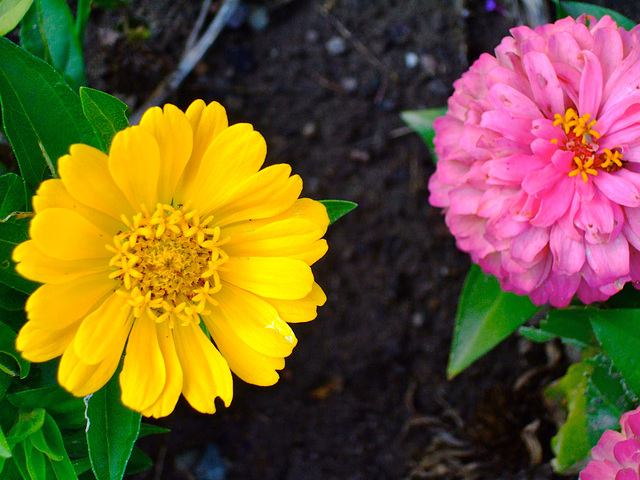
364 395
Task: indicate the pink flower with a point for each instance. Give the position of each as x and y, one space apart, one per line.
539 161
617 454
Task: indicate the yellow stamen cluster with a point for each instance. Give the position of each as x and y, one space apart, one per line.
580 126
167 263
580 136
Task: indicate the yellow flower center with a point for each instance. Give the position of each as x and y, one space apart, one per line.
581 140
167 263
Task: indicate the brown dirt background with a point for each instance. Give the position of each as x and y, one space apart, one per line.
364 395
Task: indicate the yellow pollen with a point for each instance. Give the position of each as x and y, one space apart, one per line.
581 141
167 263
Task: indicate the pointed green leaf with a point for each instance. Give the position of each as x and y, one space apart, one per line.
12 194
571 325
42 116
11 12
48 32
618 331
486 316
149 429
28 422
5 450
139 462
9 357
572 442
421 121
106 114
112 430
575 9
14 230
337 208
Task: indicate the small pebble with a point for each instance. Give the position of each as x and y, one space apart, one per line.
211 465
336 46
258 18
429 65
411 60
309 129
349 84
311 36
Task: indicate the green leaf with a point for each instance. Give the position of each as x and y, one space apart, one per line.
10 299
139 462
575 9
29 422
337 208
82 17
572 442
48 32
9 357
42 115
112 430
12 194
421 121
5 449
149 429
31 462
486 316
49 441
618 331
14 230
106 114
535 334
64 407
11 12
5 381
571 325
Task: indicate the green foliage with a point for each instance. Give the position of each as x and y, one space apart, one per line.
42 115
106 114
11 362
593 396
575 9
337 208
11 12
48 32
618 331
486 316
421 121
112 430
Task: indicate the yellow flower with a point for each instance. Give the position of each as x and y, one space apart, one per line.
177 229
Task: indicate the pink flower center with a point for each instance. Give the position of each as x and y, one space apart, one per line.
581 139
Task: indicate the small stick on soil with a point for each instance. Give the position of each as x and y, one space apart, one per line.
189 59
358 45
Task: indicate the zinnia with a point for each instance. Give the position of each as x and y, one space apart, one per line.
539 155
617 454
176 225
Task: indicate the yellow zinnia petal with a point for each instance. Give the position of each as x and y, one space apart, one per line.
172 131
234 156
170 394
134 163
207 374
295 238
85 174
302 310
33 264
265 194
255 321
103 329
56 306
269 277
207 122
39 345
81 378
143 373
248 364
67 235
53 194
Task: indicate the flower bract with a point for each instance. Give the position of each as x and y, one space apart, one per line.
617 454
177 250
539 161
